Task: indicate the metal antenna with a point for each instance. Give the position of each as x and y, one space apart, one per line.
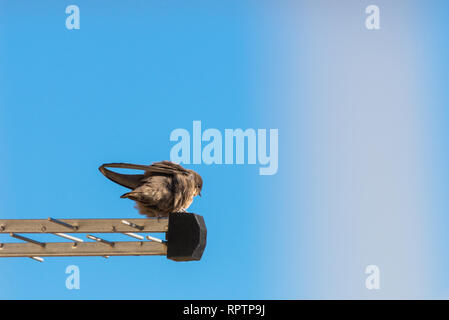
69 237
132 225
137 236
62 223
185 233
100 240
154 239
37 259
17 236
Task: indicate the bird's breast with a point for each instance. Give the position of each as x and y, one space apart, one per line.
189 201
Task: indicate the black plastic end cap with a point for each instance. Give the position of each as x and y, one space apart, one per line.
186 237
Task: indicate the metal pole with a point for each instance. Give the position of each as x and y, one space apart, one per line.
37 259
154 239
66 236
137 236
84 249
62 223
132 225
27 239
100 240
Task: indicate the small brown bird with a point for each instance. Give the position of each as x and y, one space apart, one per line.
165 187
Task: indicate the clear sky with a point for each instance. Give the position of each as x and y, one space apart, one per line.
362 119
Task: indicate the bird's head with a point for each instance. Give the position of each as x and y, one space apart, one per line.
198 183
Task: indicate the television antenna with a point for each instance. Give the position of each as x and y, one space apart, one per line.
185 237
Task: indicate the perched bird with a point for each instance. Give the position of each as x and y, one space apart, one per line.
163 188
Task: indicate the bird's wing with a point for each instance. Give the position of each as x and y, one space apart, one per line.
131 181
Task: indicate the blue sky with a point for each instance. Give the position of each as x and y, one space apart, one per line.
362 133
112 92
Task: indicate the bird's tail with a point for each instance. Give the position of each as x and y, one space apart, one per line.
130 181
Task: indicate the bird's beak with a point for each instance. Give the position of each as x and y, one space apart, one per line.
199 193
130 181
